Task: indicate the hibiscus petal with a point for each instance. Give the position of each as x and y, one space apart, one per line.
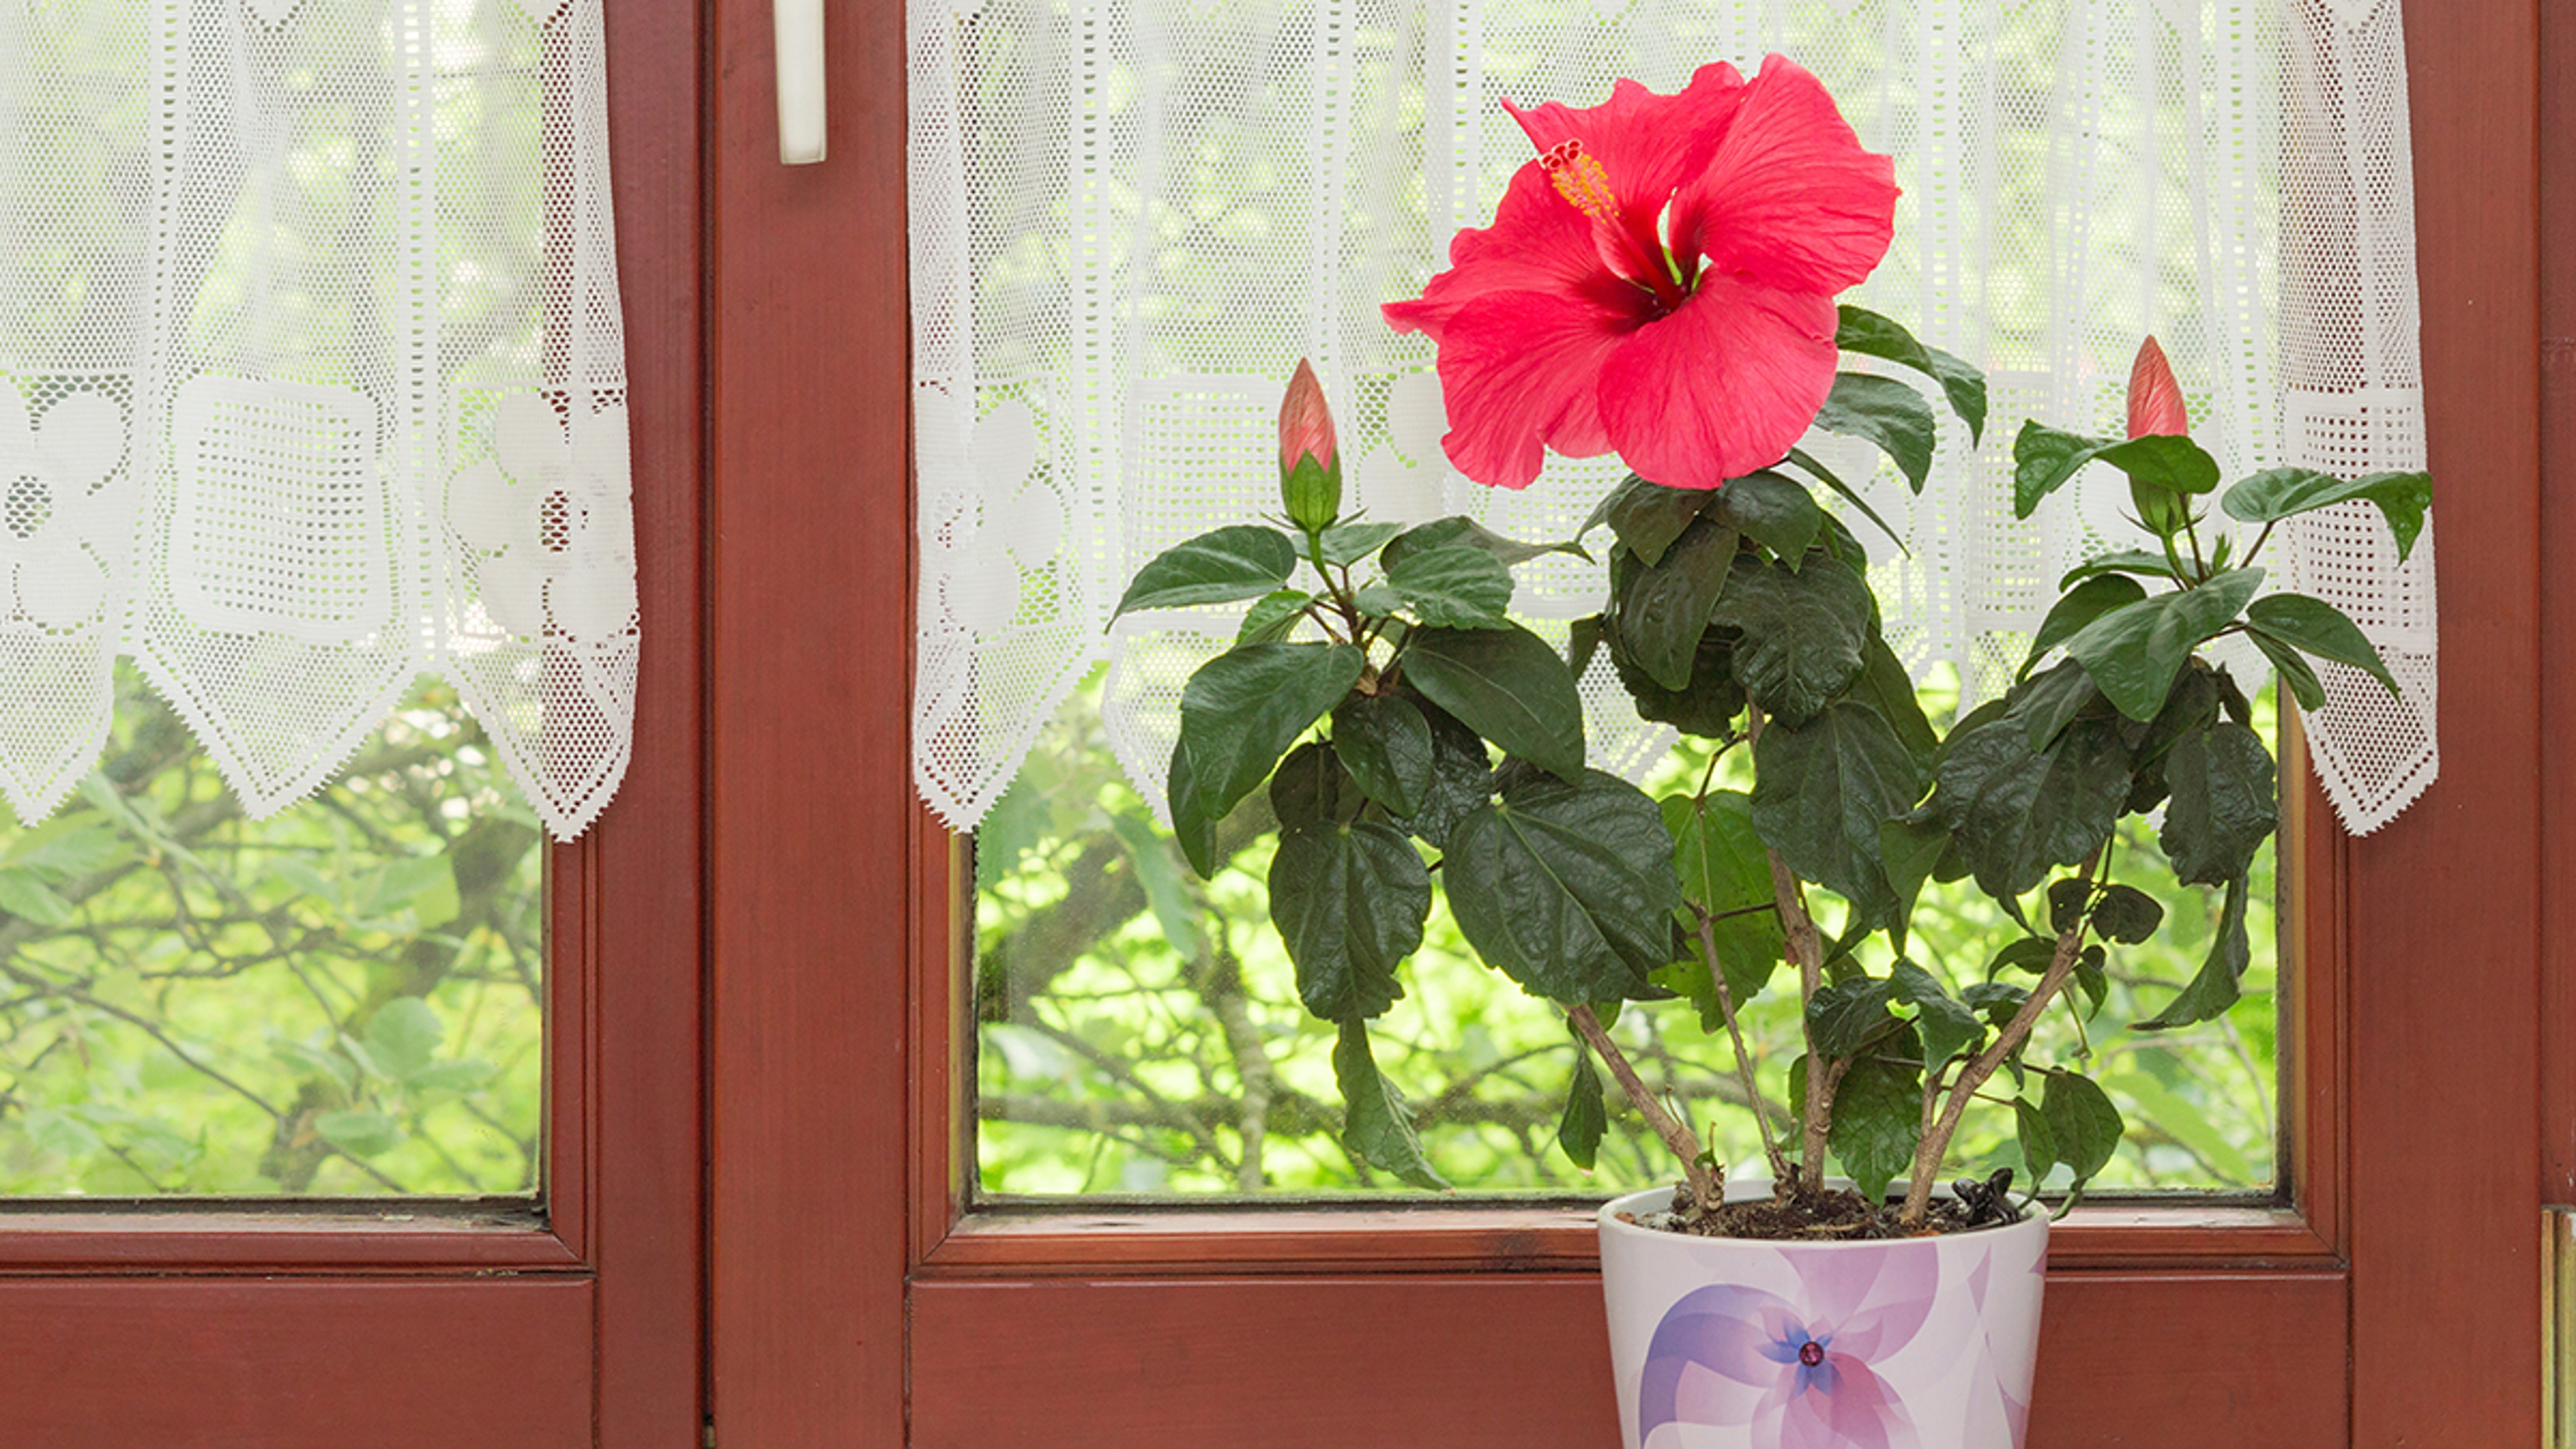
1537 244
1521 372
1647 144
2155 399
1789 196
1720 388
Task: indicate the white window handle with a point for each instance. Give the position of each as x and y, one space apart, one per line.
799 27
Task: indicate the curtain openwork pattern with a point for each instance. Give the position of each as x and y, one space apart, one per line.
1130 220
311 381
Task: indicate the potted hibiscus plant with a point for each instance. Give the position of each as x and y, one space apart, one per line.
1661 282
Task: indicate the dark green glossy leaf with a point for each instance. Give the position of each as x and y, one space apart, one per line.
1709 708
2215 988
1823 790
2134 651
1462 779
1726 872
1193 827
1877 336
1886 686
1377 1127
1803 633
2295 671
2125 561
1772 511
2030 953
1567 888
1583 640
1850 495
1273 617
2316 627
1587 1115
1996 1001
1386 745
2224 804
2038 1144
1311 786
1458 586
1241 562
1664 608
1946 1027
1507 686
2018 812
2086 602
1884 411
1842 1019
2066 902
2045 706
1910 849
2278 493
2127 915
1349 902
1347 543
1458 530
1647 517
2044 458
1242 710
2083 1127
1878 1121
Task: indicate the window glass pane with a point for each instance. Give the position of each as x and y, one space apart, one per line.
1139 1030
345 999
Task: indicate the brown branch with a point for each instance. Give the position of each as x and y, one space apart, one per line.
1936 1143
1743 1056
1704 1182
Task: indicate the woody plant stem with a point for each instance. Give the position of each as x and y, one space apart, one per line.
1677 1135
1936 1140
1806 947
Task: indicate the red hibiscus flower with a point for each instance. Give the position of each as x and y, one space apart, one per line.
1659 282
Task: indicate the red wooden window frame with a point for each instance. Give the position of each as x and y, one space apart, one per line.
2396 1302
310 1326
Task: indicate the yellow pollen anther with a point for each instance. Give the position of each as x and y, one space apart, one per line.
1580 179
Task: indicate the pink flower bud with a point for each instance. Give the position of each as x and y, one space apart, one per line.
1310 477
1305 421
2155 399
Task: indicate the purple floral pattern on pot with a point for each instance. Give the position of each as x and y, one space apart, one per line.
1725 1343
1797 1374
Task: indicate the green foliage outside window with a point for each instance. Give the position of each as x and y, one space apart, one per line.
345 999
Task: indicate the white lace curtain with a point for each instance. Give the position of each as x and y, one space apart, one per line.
311 381
1131 217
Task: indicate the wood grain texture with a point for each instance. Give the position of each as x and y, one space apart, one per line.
811 817
643 939
1491 1362
2557 163
297 1365
2444 903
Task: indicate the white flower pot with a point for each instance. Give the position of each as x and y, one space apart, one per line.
1912 1343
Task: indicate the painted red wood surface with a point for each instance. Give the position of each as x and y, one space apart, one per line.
445 1325
1484 1361
2392 1301
810 810
2443 927
232 1364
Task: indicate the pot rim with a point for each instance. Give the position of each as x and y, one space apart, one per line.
1630 1202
